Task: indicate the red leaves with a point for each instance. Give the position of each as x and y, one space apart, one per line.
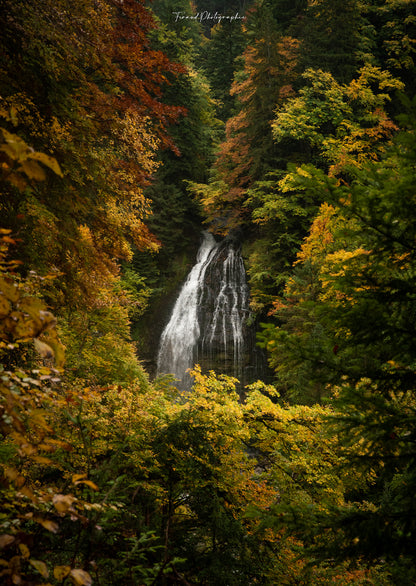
140 70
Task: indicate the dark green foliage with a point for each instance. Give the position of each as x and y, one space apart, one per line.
218 60
283 220
185 32
209 9
173 210
392 28
331 37
288 14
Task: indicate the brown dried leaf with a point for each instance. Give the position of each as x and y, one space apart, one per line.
6 540
63 503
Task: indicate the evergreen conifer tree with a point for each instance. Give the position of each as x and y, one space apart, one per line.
331 37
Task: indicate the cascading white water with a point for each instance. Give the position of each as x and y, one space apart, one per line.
180 336
208 319
226 316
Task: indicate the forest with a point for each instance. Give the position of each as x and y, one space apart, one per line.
128 127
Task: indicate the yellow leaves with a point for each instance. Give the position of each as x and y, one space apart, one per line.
32 170
36 309
24 550
11 474
213 403
336 265
359 88
44 350
61 572
42 460
40 567
297 446
5 306
77 576
48 524
48 161
21 161
137 139
24 317
324 249
346 124
316 245
50 347
9 289
80 577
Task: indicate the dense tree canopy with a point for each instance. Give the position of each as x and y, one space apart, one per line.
123 130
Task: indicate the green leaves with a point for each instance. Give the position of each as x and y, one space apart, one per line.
343 124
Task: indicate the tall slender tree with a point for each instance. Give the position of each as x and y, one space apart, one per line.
331 35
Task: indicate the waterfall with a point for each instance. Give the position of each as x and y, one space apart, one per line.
180 336
208 321
224 311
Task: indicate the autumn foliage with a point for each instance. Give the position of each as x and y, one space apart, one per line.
109 114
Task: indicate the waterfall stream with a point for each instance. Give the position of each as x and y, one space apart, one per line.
207 324
180 336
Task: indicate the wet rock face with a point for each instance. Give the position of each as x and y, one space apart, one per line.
223 312
209 322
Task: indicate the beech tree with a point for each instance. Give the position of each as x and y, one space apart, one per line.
360 255
85 84
337 127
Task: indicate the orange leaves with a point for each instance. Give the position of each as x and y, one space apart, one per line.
130 51
270 68
321 235
78 479
277 305
96 100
